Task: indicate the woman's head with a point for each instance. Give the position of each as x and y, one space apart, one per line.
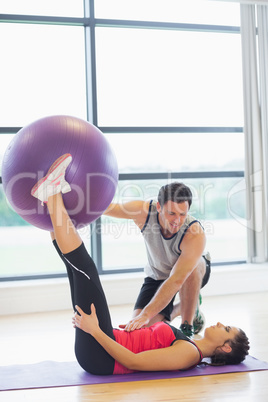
233 348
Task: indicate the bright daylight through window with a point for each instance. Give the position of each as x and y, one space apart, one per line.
163 81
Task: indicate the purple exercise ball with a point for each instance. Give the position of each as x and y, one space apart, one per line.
92 174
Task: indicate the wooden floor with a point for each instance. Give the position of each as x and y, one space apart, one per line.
49 336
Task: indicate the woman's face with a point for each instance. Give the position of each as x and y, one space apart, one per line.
220 333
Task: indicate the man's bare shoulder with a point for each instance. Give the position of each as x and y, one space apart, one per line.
143 207
194 237
194 233
196 229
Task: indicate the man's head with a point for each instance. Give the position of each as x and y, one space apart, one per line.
175 192
174 201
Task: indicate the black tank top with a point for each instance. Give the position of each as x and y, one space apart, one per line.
180 336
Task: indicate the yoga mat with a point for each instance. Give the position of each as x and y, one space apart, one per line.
62 374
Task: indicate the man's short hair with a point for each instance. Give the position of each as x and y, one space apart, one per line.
176 192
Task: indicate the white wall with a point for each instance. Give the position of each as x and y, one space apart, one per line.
53 294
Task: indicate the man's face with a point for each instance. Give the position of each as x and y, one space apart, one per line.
172 215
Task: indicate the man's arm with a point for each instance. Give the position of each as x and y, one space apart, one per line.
192 248
136 210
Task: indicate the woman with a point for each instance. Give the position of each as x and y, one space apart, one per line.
99 348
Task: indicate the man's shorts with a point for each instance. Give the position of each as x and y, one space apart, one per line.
150 287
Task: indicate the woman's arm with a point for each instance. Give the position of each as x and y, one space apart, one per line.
90 324
181 355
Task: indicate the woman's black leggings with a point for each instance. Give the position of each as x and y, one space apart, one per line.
86 288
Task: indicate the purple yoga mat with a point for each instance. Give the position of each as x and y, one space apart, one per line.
60 374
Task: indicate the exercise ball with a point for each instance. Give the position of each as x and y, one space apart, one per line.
92 174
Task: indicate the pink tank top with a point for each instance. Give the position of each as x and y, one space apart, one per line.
158 336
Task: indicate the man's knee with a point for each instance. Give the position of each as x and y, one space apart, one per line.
198 273
201 267
136 312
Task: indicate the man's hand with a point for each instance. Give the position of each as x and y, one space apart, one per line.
136 323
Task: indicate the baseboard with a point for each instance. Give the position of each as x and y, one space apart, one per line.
53 294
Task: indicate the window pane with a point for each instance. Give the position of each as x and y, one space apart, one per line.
5 139
178 152
34 253
42 72
64 8
122 244
212 205
168 78
188 11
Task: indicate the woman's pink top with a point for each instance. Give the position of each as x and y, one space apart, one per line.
159 335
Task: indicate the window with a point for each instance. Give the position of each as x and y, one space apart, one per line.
178 152
191 11
42 72
64 8
226 237
163 81
153 77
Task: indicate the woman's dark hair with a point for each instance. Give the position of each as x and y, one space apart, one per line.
240 347
176 192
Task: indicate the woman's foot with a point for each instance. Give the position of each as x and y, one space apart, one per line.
54 181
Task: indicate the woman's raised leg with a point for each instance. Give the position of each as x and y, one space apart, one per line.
85 285
65 233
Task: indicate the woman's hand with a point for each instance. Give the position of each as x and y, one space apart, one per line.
87 322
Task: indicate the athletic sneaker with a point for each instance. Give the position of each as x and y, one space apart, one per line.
54 181
199 318
198 322
65 187
187 329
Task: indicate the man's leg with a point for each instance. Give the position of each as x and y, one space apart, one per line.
176 312
189 297
198 321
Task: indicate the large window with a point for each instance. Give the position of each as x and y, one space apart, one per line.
153 77
42 73
163 81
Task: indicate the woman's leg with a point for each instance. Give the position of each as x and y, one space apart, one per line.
68 268
85 288
84 279
64 231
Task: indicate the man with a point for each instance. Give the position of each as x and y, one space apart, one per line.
175 242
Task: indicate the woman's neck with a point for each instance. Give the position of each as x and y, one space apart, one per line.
207 348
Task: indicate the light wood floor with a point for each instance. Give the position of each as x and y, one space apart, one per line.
49 336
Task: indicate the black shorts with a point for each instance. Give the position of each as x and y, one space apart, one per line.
150 287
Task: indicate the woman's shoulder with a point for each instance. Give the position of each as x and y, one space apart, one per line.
187 352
